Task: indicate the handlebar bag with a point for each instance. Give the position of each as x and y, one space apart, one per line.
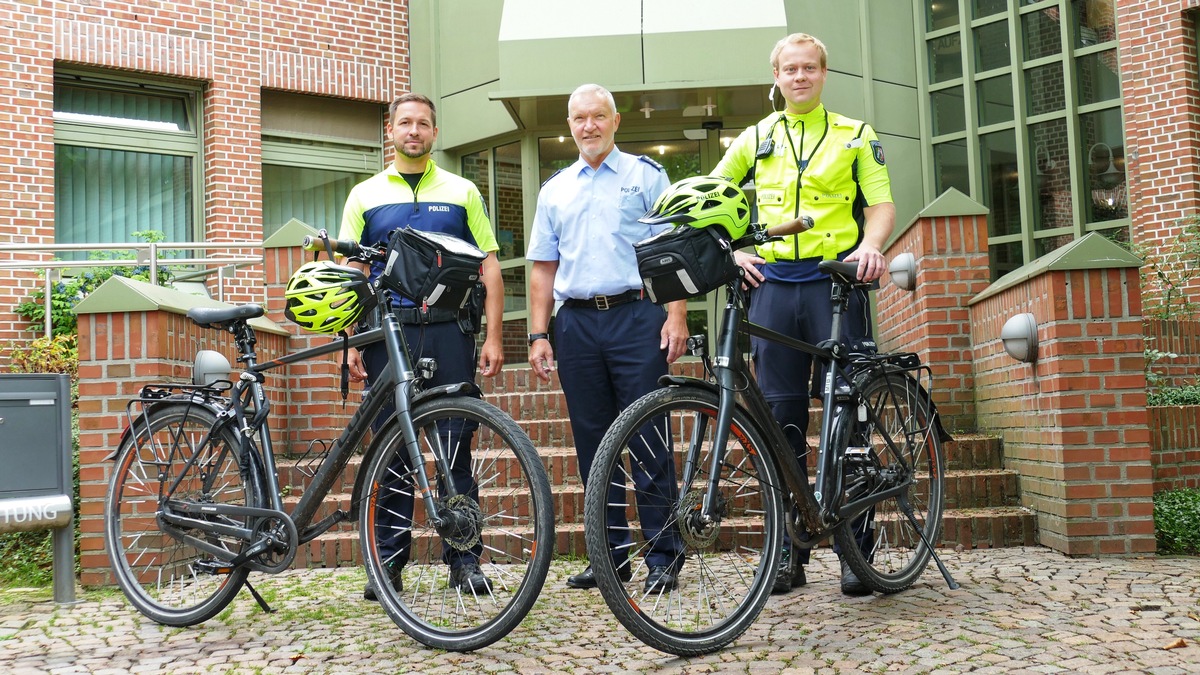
684 262
432 269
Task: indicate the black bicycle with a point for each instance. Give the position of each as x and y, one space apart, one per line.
195 505
879 476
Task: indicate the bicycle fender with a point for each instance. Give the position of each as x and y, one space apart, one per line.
457 389
156 405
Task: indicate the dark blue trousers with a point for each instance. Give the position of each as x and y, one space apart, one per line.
787 376
455 354
606 361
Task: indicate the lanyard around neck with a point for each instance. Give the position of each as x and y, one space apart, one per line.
798 155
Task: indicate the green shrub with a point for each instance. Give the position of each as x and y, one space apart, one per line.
1177 521
1188 394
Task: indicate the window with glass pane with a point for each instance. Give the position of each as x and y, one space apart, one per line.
982 8
315 197
945 58
1001 185
1094 20
104 196
1041 33
477 168
1104 165
1005 258
950 167
510 206
125 162
1097 77
1049 151
1045 89
995 100
941 14
991 46
949 114
1046 245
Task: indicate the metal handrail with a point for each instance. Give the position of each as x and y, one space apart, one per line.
147 254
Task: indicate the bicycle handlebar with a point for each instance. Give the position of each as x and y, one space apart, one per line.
343 247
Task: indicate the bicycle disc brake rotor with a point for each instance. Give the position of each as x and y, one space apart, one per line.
463 522
696 533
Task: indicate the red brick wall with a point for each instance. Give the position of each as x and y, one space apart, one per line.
1175 446
1074 422
1161 93
933 320
234 49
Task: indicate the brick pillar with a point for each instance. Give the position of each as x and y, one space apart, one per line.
310 407
949 241
1074 422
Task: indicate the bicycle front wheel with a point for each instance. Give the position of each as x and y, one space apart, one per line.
173 454
643 509
467 581
892 441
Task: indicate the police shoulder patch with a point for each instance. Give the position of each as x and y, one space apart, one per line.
877 152
651 162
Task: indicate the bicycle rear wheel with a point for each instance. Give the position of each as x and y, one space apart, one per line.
501 520
898 444
172 454
724 568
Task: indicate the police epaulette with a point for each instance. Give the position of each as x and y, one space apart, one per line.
552 176
652 163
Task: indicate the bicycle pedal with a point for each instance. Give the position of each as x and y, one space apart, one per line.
858 451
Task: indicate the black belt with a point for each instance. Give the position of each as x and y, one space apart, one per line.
418 315
603 302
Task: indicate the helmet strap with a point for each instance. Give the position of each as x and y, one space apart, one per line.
345 362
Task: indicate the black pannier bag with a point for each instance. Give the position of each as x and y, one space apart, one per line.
684 262
433 269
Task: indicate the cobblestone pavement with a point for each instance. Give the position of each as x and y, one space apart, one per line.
1020 610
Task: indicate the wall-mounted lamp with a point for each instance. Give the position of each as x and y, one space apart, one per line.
903 270
647 109
1109 177
1019 336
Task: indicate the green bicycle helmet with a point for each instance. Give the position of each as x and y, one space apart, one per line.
702 201
323 297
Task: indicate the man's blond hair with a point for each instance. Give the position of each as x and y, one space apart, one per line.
799 39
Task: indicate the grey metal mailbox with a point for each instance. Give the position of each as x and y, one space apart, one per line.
35 466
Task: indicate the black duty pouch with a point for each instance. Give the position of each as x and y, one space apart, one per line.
470 317
433 269
685 262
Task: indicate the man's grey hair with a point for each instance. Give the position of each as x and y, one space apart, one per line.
591 89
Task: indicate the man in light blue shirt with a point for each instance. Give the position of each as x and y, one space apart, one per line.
613 342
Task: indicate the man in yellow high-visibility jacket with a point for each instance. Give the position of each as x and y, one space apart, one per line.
808 161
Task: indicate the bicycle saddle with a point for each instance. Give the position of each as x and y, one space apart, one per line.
219 317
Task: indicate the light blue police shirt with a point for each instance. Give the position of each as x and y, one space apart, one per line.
587 220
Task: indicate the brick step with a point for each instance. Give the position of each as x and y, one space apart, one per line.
994 527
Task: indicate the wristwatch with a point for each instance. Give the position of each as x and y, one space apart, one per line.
534 337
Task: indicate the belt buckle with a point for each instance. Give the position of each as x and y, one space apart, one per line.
601 302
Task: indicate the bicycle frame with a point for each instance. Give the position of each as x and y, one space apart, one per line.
818 508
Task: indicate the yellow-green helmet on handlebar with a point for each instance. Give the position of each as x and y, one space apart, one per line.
323 297
702 201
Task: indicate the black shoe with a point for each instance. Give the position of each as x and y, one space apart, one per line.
587 578
789 576
661 578
397 582
851 584
469 578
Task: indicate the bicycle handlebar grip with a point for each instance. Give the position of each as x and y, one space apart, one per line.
342 247
800 225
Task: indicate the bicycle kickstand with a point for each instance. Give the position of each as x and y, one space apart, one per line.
912 520
258 598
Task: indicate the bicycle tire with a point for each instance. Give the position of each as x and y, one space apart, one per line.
729 567
509 525
158 573
897 554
